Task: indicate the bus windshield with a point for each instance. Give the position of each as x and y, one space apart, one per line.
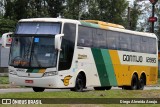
38 28
38 52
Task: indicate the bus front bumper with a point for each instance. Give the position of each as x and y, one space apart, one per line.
46 82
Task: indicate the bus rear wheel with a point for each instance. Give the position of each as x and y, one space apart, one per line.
38 89
80 84
134 83
141 83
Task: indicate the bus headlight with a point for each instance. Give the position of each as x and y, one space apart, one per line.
51 73
13 72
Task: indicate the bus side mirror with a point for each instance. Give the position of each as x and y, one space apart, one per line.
58 41
6 39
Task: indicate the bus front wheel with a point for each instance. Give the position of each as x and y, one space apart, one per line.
80 84
38 89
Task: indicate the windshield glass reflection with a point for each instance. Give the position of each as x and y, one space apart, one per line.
33 52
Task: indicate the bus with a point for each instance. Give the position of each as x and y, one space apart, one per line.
57 53
6 39
5 43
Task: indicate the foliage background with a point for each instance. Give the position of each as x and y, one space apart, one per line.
113 11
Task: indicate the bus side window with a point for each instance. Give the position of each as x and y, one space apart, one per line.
125 42
112 40
99 38
68 42
135 43
144 44
84 36
152 45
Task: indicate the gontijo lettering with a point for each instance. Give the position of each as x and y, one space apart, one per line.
132 58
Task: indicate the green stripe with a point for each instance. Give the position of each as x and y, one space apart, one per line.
35 71
89 24
103 76
30 70
104 67
109 67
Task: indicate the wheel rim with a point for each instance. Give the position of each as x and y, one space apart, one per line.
79 84
141 83
134 83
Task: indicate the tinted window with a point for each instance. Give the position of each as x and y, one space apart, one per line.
144 45
112 40
38 28
67 46
69 32
152 45
99 38
85 36
125 42
136 43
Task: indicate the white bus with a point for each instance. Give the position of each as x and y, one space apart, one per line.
65 53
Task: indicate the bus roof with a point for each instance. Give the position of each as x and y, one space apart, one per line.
49 20
91 23
115 27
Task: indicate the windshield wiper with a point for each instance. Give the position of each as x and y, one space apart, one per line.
36 59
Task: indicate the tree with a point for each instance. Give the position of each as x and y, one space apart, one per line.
158 22
135 13
74 8
55 7
1 8
9 11
6 25
20 9
107 10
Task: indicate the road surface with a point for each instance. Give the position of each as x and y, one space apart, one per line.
13 90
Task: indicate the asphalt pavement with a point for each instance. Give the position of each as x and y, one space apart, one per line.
13 90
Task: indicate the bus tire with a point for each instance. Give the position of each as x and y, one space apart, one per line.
38 89
126 87
99 88
80 84
103 88
108 87
134 82
141 83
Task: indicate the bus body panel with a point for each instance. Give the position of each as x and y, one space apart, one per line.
113 71
86 63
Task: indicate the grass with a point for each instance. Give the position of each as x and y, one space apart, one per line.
4 80
87 94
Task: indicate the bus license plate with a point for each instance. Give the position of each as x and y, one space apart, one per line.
29 81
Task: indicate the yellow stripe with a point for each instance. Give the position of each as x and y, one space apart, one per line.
104 27
114 56
42 70
124 72
117 66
